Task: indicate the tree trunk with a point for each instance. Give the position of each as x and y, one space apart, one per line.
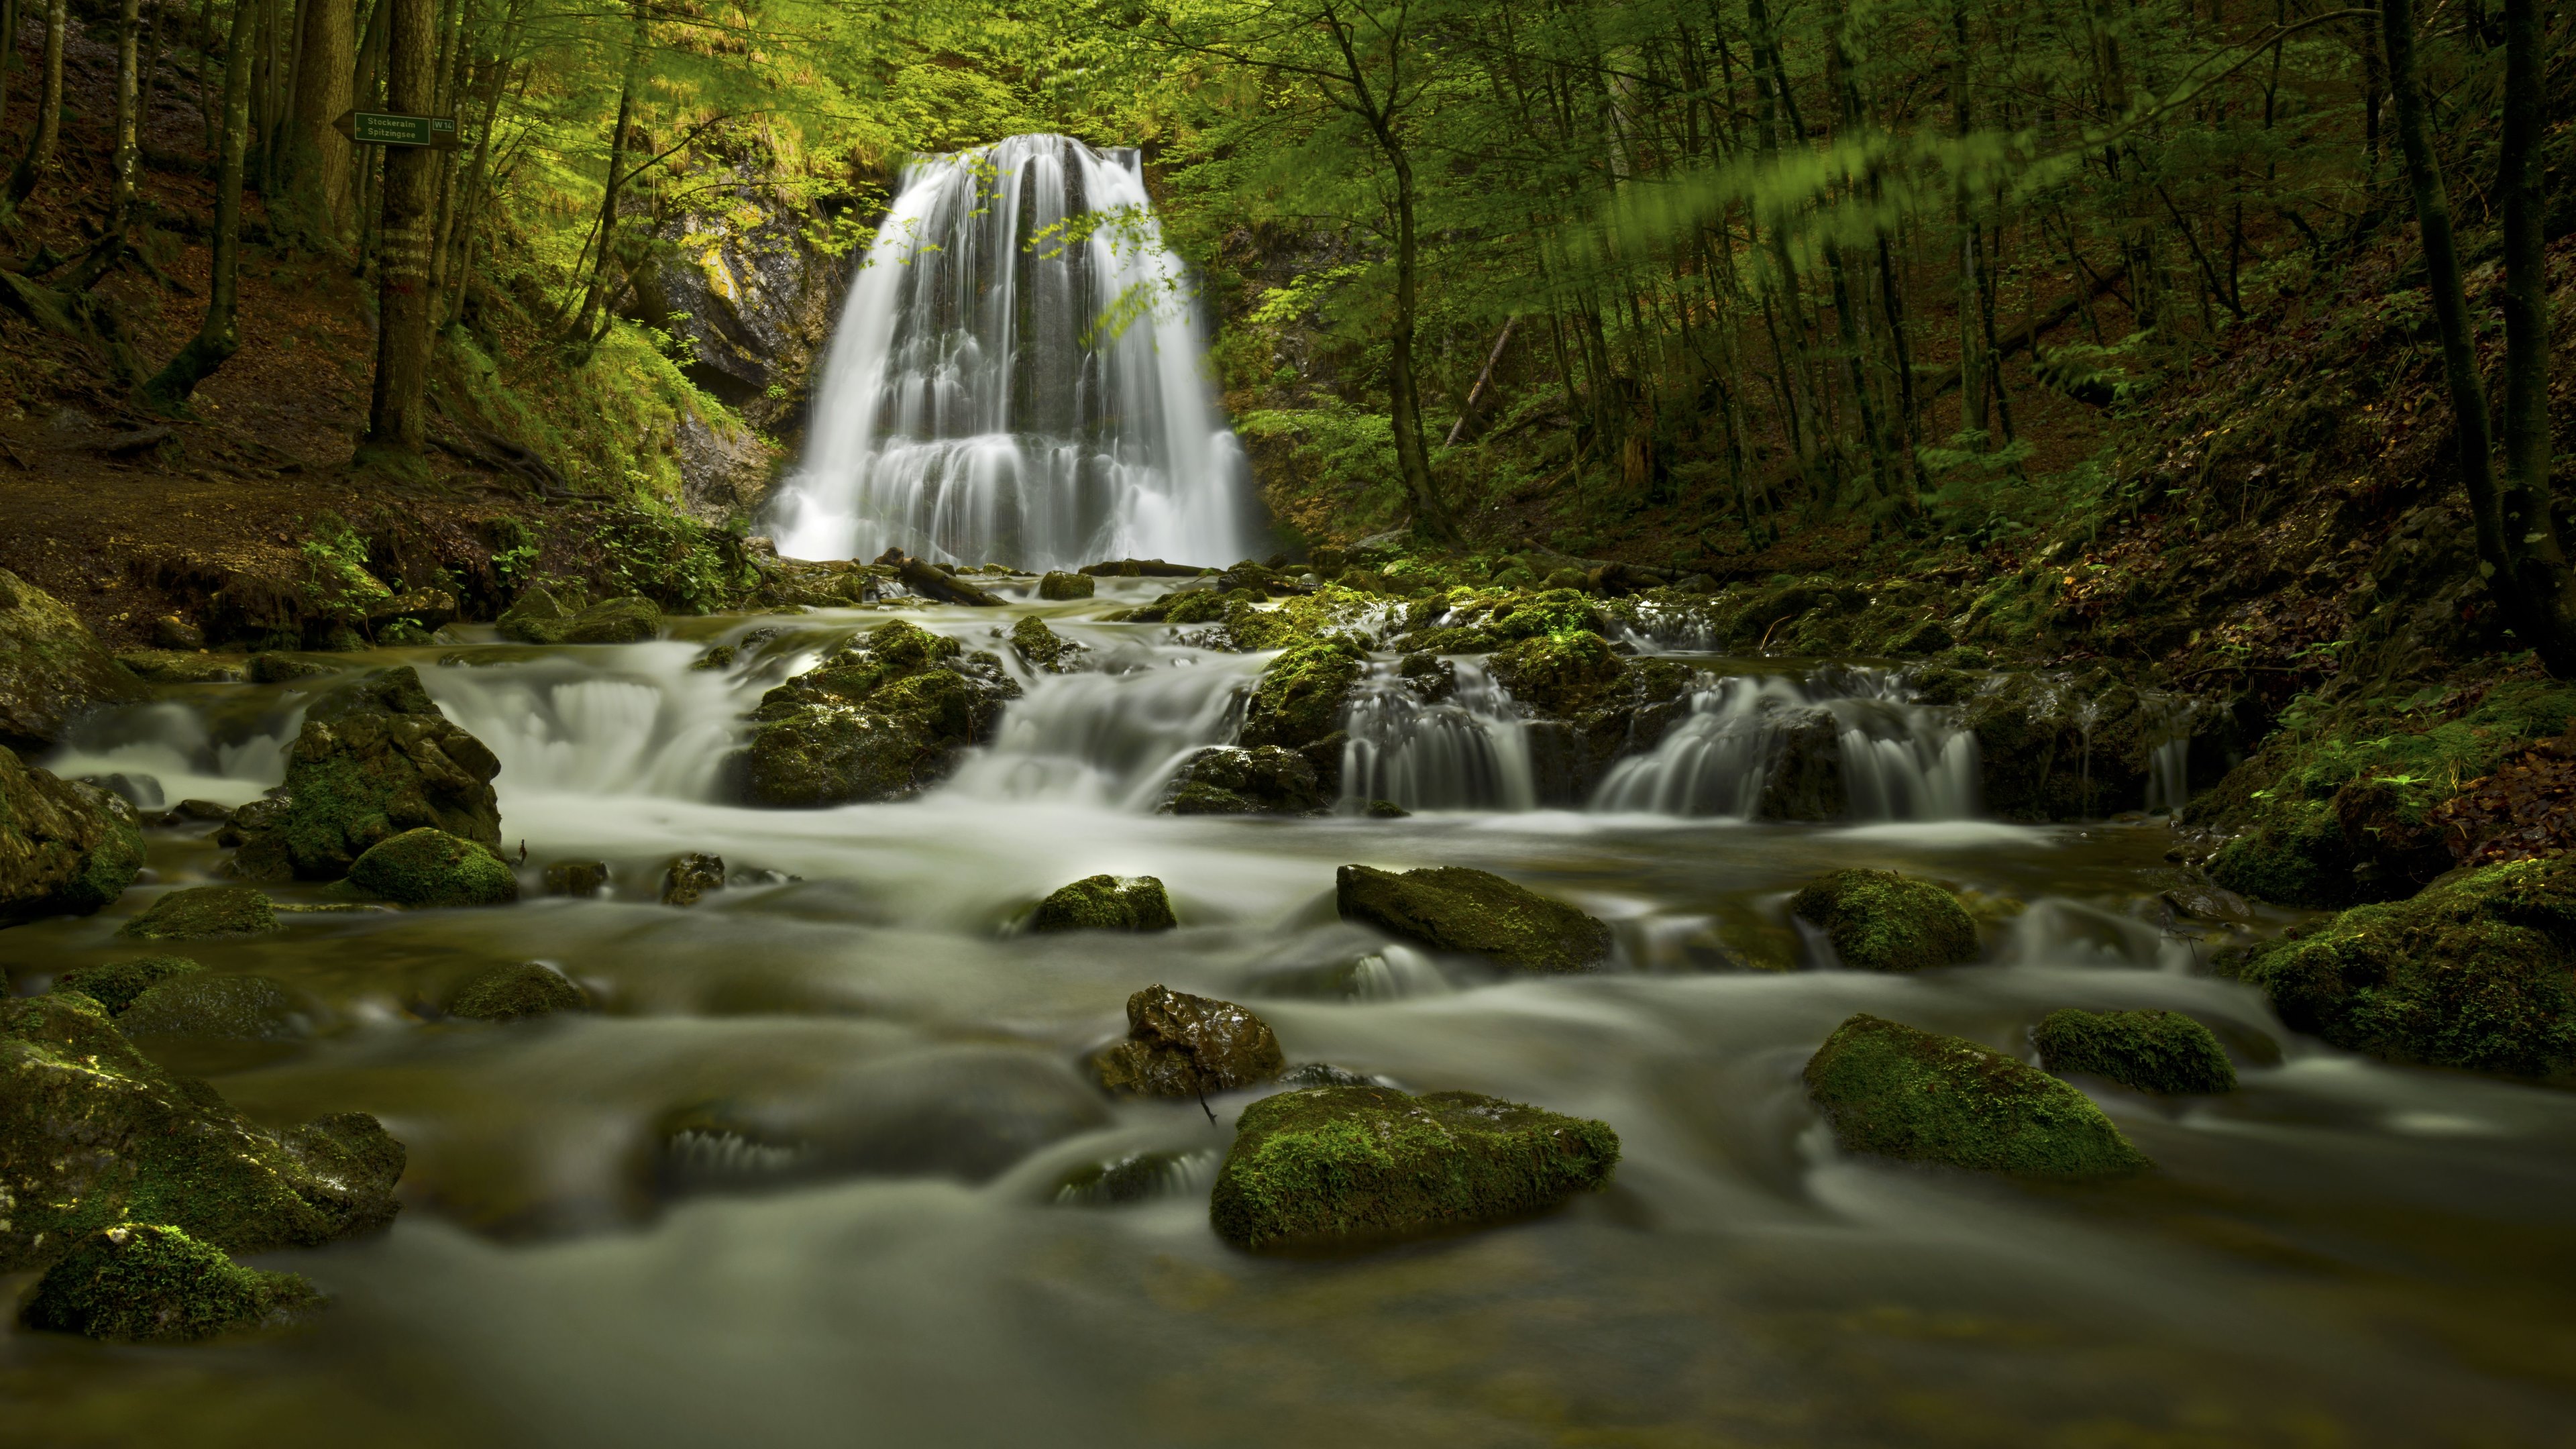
2542 575
219 336
109 249
39 158
1404 396
394 419
594 294
317 167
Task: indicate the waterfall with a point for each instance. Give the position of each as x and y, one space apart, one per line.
1017 378
1111 739
630 720
1468 751
1839 742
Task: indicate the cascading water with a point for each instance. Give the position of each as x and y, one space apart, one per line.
1894 760
1017 378
1468 751
1111 738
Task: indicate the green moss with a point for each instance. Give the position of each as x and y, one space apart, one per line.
1193 606
2476 972
1058 586
204 913
1353 1165
217 1007
1224 781
375 758
2296 857
877 720
429 867
1881 921
1329 612
1300 696
1106 903
628 620
536 617
1894 1091
1558 674
576 878
115 984
134 1283
1041 646
2164 1052
1454 908
66 848
507 993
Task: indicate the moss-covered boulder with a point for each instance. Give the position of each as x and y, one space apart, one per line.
1227 781
1180 1045
375 758
1354 1165
115 984
136 1283
628 620
878 719
1879 920
688 878
65 848
93 1134
1106 903
2478 971
52 669
1894 1091
507 993
205 913
1043 647
1454 908
576 878
536 617
216 1007
1061 586
429 867
2164 1052
1301 694
1557 674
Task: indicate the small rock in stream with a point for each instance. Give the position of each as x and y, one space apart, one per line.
429 867
690 877
1106 903
1454 908
135 1283
1180 1045
1879 920
508 993
576 878
2164 1052
115 984
204 913
1892 1090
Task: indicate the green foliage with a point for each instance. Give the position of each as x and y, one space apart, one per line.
674 561
336 582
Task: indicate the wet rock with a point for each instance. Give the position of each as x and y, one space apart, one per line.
1135 1177
508 993
1180 1045
2062 749
2164 1052
628 620
1881 921
1386 810
1805 781
274 667
139 790
1894 1091
1059 586
172 632
1453 908
92 1134
424 611
375 759
717 658
1302 694
135 1283
115 984
880 719
1106 903
185 666
66 849
52 670
204 913
1325 1074
690 877
2478 972
1227 781
2200 900
212 1007
535 617
1335 1166
2395 849
1557 674
576 878
1043 647
429 867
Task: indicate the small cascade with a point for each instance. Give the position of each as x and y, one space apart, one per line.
629 721
199 750
1467 750
2057 932
1016 378
1840 742
2169 765
1111 739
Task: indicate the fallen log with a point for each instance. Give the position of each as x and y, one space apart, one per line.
1143 568
929 581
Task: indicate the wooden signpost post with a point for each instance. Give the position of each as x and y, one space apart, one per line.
376 128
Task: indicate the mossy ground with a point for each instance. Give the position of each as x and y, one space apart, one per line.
1354 1165
2164 1052
1106 903
136 1283
429 867
1455 908
1879 920
1894 1091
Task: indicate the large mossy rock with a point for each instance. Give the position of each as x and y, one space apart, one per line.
211 1006
879 719
629 620
375 759
1455 908
52 669
1894 1091
1059 586
65 848
1180 1045
429 867
92 1134
1106 903
1301 694
205 913
1228 781
1357 1165
115 984
1879 920
509 993
136 1283
535 617
2164 1052
1557 675
2477 972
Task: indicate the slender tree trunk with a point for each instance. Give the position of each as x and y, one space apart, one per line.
2527 507
110 246
595 292
219 336
394 418
1404 396
38 161
317 169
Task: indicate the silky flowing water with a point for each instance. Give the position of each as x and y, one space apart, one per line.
804 1176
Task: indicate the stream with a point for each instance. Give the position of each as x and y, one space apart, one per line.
814 1170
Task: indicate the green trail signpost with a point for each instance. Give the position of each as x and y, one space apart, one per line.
377 128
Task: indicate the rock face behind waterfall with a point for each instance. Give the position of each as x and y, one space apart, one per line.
376 758
879 719
65 848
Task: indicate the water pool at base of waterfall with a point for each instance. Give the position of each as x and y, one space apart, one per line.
803 1175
